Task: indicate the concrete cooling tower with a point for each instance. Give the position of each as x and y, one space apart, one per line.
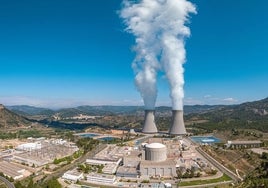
177 125
149 123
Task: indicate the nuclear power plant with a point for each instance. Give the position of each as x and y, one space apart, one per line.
177 124
149 122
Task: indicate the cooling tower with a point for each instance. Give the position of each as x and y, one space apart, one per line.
177 125
149 123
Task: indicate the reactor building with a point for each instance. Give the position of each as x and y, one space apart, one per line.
156 163
155 152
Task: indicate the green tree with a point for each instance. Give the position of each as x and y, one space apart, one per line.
53 183
18 185
30 184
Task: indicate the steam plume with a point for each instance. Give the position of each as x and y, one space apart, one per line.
159 28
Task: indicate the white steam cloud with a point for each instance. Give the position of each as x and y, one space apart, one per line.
159 28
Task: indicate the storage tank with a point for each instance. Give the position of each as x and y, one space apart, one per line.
155 152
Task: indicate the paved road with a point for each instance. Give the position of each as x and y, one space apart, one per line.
8 183
207 185
219 165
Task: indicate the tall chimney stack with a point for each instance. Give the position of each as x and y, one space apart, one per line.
149 123
177 125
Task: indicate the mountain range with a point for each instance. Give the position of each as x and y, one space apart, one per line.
245 115
251 115
28 111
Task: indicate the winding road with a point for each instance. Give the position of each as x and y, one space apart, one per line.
8 183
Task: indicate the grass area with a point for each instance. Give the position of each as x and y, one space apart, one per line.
200 182
2 184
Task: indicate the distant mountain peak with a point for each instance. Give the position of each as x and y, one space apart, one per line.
1 107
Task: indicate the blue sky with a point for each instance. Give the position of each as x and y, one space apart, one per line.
61 53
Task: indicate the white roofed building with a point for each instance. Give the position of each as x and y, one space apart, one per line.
30 146
72 175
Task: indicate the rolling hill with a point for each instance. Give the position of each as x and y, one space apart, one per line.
252 115
9 119
26 110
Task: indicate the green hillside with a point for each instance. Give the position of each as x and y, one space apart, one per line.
9 119
250 115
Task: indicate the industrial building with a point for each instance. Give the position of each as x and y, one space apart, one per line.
132 159
109 166
127 172
156 163
101 178
151 161
11 170
29 146
236 144
158 169
131 162
42 152
72 175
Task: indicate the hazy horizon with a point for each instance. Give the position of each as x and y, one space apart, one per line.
119 105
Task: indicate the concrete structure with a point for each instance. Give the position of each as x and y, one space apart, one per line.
115 131
43 152
11 170
59 141
109 166
236 144
155 152
158 169
127 172
29 146
177 126
101 178
29 160
132 131
72 175
131 161
149 122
